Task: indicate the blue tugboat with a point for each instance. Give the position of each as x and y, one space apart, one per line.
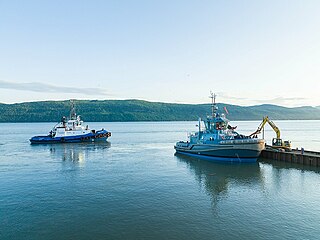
218 141
71 131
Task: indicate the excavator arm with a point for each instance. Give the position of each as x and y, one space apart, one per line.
264 121
274 127
259 129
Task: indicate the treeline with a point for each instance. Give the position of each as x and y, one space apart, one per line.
138 110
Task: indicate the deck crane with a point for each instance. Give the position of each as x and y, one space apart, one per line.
276 142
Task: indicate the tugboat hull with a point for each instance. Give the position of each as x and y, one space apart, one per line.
227 151
101 135
220 159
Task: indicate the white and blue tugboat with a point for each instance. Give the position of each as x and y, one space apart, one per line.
70 131
218 141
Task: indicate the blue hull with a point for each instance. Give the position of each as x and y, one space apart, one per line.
101 135
220 159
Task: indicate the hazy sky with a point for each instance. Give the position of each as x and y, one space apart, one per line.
248 52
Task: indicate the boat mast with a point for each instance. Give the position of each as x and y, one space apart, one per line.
73 115
214 107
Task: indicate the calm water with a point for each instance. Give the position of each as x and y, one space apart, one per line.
134 187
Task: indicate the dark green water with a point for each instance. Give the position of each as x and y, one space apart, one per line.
134 187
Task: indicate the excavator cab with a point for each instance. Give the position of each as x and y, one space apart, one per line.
277 142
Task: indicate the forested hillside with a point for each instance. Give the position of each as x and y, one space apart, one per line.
138 110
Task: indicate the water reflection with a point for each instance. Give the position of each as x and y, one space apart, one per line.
73 152
217 178
279 165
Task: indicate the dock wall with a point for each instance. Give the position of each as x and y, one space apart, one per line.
309 158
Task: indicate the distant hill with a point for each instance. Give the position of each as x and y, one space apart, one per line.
138 110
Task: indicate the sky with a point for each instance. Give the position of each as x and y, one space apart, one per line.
248 52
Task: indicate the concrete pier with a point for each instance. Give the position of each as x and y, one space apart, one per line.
309 158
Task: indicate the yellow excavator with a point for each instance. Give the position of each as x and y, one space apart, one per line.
276 142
